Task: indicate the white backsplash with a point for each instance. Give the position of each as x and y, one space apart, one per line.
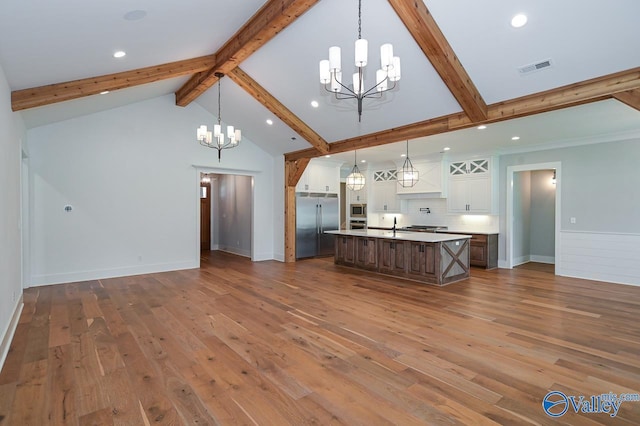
437 217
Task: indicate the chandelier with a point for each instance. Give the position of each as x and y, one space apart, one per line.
408 175
355 180
331 71
217 139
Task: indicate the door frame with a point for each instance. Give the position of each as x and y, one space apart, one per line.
220 171
557 165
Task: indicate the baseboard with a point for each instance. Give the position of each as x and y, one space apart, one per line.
521 260
239 252
7 337
543 259
41 280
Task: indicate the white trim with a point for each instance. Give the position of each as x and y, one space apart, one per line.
40 280
233 250
7 335
557 165
521 260
551 260
222 171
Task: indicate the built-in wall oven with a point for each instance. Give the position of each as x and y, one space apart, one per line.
358 210
358 224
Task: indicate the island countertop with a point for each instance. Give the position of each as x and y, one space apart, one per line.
425 237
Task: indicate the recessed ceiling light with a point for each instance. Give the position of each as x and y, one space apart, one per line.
314 104
481 127
519 20
119 54
104 92
269 121
363 161
135 15
403 155
446 148
515 138
327 156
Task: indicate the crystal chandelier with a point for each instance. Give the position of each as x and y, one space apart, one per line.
355 180
407 175
331 71
217 139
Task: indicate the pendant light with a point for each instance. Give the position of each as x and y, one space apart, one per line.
355 181
408 175
218 139
386 76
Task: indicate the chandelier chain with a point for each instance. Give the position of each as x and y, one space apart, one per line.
359 19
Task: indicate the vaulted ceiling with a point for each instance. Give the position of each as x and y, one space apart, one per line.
460 65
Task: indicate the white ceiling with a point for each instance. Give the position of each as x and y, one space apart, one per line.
44 42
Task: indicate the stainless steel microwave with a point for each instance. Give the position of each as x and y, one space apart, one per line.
358 210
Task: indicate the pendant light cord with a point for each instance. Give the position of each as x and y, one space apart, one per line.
219 107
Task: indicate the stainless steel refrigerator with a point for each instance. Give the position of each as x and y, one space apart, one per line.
316 213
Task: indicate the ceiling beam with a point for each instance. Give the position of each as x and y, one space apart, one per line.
630 97
252 87
272 18
424 29
593 90
60 92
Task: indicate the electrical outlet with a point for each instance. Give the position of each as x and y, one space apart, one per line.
140 258
573 220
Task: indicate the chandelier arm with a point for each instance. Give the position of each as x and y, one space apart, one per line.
339 95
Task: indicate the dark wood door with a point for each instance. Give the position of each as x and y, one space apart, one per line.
205 216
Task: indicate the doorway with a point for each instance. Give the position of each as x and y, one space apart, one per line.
226 212
530 189
205 211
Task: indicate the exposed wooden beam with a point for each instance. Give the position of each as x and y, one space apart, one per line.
295 169
630 97
252 87
272 18
593 90
427 34
59 92
292 172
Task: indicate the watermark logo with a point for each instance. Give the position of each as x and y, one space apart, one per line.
556 403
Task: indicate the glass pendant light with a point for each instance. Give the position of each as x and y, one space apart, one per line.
355 181
408 175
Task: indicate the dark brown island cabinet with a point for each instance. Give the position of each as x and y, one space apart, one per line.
430 258
484 249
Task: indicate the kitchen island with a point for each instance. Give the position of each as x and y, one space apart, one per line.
433 258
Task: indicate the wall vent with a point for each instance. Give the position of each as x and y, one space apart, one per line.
539 66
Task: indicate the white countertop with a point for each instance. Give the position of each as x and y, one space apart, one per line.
425 237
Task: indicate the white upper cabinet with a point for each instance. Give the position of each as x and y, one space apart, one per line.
429 178
320 177
383 190
358 197
472 187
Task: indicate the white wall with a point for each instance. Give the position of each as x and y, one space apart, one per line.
233 214
11 133
521 217
543 213
129 175
599 186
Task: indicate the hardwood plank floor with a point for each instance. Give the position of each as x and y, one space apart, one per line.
264 343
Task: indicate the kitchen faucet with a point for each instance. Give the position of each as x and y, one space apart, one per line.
394 226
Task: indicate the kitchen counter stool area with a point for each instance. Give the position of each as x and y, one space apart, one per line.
426 257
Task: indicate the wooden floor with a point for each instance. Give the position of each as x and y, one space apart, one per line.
312 343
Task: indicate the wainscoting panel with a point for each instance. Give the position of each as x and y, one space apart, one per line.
601 256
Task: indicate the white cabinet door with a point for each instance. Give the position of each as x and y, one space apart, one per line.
457 200
479 195
320 178
358 197
385 198
471 195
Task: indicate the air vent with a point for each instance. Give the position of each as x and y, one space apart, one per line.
539 66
